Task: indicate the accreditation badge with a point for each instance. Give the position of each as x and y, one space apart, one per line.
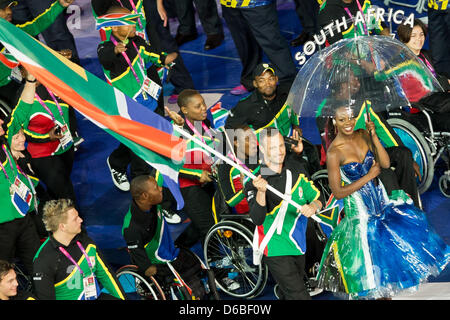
21 196
90 287
66 140
152 88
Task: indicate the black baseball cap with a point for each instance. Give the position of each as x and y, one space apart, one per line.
261 68
7 3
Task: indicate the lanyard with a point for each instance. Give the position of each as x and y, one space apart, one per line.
363 28
64 251
205 128
235 159
242 164
127 59
47 109
10 164
427 63
20 171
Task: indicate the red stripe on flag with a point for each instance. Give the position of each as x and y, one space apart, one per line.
10 64
151 138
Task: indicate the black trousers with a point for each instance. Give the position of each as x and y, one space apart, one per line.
160 36
18 238
439 31
288 272
54 172
403 177
58 35
198 207
307 12
122 156
254 31
207 13
10 93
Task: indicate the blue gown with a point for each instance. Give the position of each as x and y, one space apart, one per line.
380 247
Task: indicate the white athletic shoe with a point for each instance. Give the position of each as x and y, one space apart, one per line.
120 179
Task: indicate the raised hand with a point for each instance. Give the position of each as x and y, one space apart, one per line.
65 3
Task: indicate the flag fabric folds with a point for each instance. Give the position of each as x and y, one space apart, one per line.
147 134
331 214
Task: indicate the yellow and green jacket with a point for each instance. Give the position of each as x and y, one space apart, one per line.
38 122
55 277
117 70
292 238
8 212
33 28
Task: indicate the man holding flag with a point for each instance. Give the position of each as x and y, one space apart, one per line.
280 235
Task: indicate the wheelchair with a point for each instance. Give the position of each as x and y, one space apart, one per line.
137 286
228 251
5 110
228 246
426 144
24 281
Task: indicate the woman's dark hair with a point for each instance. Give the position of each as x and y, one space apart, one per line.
330 132
404 31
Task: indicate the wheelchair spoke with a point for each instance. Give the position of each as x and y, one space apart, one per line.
228 251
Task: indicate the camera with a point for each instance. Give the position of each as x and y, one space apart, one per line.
290 141
58 130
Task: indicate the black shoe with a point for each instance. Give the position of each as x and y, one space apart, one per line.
301 39
170 216
119 178
183 38
213 41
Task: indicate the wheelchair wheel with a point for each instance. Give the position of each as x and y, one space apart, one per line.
414 140
5 110
444 185
228 252
23 280
320 179
137 287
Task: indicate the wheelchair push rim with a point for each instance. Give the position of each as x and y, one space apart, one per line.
229 244
137 287
415 141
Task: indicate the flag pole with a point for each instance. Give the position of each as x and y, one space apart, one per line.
239 167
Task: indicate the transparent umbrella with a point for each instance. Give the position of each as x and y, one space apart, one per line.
374 71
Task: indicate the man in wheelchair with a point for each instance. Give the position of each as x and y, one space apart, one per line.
149 241
231 182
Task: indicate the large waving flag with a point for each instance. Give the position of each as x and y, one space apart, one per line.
147 134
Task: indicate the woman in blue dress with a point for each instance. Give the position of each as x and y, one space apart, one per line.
381 246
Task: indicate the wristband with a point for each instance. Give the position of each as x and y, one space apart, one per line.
32 81
315 206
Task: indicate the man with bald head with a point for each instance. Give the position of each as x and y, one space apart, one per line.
147 234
